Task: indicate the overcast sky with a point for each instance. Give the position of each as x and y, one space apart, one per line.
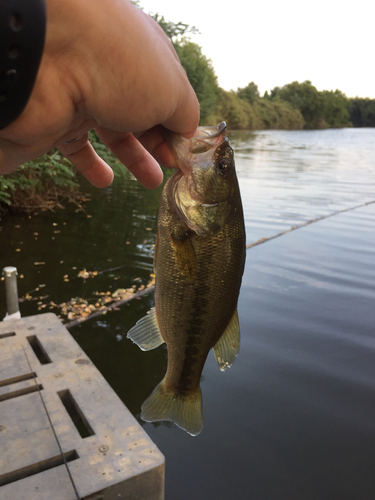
274 42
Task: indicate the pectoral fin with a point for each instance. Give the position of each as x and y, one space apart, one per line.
146 333
185 257
227 347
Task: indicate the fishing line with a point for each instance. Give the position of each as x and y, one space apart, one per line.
293 228
52 427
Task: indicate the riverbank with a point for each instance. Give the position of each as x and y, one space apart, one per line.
48 183
295 106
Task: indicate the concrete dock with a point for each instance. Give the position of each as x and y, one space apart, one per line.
108 454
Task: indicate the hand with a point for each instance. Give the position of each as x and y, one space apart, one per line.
106 65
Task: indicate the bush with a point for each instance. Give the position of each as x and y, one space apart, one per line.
278 115
239 114
362 112
41 183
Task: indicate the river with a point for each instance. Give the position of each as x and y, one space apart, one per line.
294 418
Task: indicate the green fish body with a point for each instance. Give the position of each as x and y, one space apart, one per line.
199 261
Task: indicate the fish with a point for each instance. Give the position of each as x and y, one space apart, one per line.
199 260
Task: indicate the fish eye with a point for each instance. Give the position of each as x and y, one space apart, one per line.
224 166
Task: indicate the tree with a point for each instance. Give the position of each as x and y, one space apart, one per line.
335 113
174 31
201 75
305 97
198 68
362 112
250 93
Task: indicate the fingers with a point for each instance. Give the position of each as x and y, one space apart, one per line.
84 157
153 141
185 119
134 156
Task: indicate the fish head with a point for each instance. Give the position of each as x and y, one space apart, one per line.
208 179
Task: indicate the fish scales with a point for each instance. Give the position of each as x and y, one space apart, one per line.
195 306
199 261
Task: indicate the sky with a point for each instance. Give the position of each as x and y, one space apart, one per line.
275 42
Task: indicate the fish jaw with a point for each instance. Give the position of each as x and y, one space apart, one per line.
199 149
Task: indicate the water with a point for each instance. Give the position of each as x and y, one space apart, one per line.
288 178
294 418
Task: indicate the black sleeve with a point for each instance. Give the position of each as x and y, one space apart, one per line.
22 34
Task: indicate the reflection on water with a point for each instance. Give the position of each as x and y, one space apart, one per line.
292 177
294 417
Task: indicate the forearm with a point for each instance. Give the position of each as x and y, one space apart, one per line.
22 34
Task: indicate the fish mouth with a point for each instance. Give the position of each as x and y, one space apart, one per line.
199 149
208 138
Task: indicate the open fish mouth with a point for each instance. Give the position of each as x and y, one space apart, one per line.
209 137
204 144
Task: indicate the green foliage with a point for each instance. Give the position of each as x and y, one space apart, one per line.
250 93
174 31
335 113
236 112
201 75
278 115
362 112
42 179
293 106
267 96
240 114
305 97
319 109
198 68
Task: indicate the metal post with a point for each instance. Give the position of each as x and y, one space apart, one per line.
10 274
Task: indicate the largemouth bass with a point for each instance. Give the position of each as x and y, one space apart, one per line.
198 262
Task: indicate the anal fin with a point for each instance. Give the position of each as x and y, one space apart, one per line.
228 346
145 333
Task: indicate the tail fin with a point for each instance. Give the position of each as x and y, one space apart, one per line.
185 411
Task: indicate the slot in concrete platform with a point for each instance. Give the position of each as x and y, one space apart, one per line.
108 453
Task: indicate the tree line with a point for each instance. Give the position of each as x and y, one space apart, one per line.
294 106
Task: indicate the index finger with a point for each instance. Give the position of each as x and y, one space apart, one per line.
134 156
185 119
154 142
